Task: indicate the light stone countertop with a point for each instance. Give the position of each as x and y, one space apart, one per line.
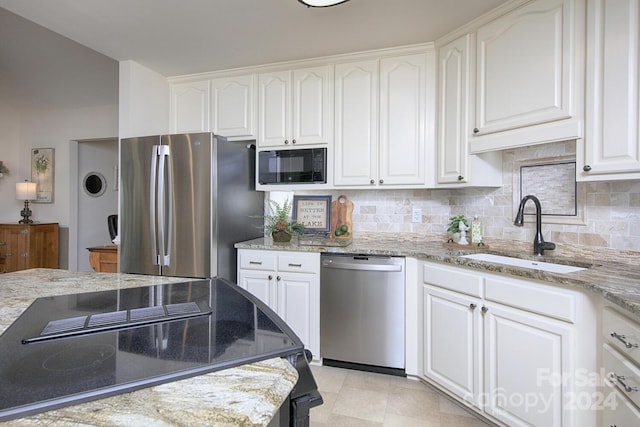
248 395
613 274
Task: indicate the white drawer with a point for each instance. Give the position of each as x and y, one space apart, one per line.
622 373
536 298
257 260
624 414
454 279
622 333
299 262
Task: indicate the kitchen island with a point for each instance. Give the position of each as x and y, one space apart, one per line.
246 395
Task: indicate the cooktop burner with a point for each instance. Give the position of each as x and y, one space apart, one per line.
72 348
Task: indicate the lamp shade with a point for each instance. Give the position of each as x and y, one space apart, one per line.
26 190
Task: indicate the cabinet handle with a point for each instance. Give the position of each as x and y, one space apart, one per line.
476 130
8 254
295 265
255 262
293 141
623 340
620 379
484 309
3 243
24 254
372 182
460 177
270 277
278 278
381 181
472 306
586 168
286 142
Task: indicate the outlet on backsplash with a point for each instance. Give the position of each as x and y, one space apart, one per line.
416 215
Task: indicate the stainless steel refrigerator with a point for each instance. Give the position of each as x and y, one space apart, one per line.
184 201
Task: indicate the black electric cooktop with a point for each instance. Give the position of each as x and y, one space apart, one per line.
73 348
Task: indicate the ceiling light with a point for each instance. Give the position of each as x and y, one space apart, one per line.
321 3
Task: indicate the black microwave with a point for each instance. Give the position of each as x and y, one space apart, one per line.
300 166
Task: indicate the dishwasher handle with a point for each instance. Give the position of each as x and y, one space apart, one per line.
359 266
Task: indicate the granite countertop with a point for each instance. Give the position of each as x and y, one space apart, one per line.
245 395
613 274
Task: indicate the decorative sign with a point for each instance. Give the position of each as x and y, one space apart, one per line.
314 212
42 173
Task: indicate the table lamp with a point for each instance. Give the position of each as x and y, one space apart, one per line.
26 191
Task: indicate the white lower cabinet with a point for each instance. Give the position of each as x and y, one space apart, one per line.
289 283
508 348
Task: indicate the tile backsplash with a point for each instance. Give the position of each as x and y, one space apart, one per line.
611 209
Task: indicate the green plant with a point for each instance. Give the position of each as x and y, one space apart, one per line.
41 163
279 219
454 223
3 169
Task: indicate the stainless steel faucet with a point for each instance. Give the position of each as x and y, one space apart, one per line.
539 245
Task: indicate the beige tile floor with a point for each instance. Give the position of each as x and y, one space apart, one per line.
363 399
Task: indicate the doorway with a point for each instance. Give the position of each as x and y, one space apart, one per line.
96 193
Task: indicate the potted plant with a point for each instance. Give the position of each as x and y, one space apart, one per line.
454 226
279 224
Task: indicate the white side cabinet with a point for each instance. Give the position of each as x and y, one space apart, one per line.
190 107
289 283
611 148
529 76
384 121
500 344
295 107
455 166
233 106
621 365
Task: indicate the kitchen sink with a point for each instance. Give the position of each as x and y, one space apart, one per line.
525 263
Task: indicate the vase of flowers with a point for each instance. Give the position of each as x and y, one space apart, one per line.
453 228
278 223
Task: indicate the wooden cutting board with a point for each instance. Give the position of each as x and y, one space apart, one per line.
341 212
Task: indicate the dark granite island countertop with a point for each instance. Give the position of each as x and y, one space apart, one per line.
246 395
613 274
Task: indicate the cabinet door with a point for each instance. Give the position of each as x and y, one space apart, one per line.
190 107
42 246
261 284
356 122
299 306
403 95
612 122
452 342
525 354
453 121
525 65
3 250
311 106
17 254
274 109
232 106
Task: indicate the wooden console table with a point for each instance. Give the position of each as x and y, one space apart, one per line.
104 258
24 246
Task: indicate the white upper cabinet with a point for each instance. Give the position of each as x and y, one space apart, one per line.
356 119
232 106
190 107
529 76
384 121
455 166
294 107
403 115
612 133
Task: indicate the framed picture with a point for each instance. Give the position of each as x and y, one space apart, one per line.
314 212
42 173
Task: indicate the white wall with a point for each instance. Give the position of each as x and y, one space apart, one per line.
144 101
10 156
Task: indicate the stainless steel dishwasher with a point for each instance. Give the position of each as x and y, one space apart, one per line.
362 312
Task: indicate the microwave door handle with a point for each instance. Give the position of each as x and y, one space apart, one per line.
153 196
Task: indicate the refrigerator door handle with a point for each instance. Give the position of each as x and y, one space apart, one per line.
153 191
169 194
163 256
